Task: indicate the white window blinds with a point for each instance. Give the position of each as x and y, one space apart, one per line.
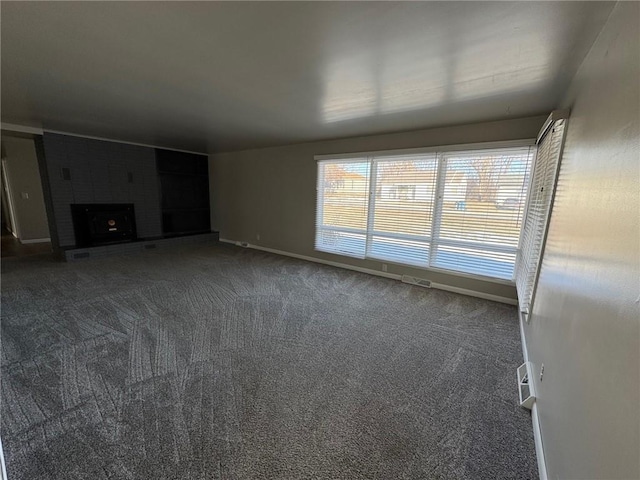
482 206
541 193
454 210
401 216
342 208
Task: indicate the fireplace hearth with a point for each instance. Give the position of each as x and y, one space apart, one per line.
103 224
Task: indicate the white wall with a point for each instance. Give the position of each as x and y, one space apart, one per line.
585 325
25 187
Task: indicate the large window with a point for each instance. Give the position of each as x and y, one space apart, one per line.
458 210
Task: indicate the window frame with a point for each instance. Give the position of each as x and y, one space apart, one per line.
439 152
320 205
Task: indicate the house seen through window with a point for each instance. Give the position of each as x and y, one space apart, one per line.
458 210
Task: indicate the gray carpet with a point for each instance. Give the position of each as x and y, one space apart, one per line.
217 362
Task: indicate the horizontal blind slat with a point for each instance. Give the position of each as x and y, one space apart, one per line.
483 207
343 200
402 203
539 209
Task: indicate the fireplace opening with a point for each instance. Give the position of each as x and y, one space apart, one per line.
102 224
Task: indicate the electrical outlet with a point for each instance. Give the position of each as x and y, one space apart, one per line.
541 371
257 236
384 267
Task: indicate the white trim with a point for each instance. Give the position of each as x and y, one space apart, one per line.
15 223
394 276
537 439
35 240
313 259
342 159
319 198
39 131
436 211
527 142
472 276
553 116
535 419
525 350
473 293
545 128
3 467
12 127
342 229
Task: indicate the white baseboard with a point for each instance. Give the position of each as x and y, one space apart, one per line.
535 420
35 240
473 293
537 438
316 260
394 276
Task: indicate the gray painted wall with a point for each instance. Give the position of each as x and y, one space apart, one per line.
271 192
585 325
24 180
99 174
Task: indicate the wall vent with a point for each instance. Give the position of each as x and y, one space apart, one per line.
81 255
149 246
525 386
421 282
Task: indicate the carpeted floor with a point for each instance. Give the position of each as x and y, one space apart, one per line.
218 362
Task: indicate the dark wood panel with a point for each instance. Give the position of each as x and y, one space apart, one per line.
184 191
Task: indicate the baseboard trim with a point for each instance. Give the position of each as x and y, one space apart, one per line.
394 276
537 438
473 293
535 420
313 259
35 240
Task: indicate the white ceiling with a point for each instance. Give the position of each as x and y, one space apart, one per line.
218 76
